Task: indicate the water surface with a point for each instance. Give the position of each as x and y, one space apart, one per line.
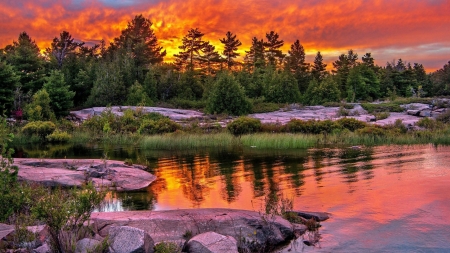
382 199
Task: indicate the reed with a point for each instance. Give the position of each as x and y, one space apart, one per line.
279 141
182 141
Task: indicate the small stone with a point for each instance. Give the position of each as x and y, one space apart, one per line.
211 242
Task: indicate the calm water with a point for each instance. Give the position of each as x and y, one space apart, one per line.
382 199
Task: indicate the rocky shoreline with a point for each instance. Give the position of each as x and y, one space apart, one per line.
191 230
75 172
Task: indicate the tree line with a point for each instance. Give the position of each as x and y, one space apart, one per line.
131 71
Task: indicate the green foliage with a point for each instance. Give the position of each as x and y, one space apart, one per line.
311 126
244 125
259 106
39 128
138 96
8 83
326 91
58 137
65 219
167 247
351 124
372 130
339 104
431 124
61 98
381 115
228 96
382 107
39 108
187 104
160 126
281 87
362 84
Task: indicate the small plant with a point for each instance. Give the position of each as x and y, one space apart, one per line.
187 235
351 124
428 123
128 162
167 247
381 115
444 117
342 112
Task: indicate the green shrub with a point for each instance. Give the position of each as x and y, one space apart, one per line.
160 126
311 126
381 115
40 128
339 104
351 124
244 125
382 107
261 107
373 130
58 137
342 112
187 104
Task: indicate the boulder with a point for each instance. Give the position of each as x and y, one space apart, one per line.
413 112
125 239
86 245
42 249
425 113
211 242
253 228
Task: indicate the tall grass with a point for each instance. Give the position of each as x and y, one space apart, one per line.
182 141
279 141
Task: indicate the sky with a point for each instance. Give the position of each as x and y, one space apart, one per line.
417 31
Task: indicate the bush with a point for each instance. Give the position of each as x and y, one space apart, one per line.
244 125
160 126
58 137
431 124
311 126
351 124
383 107
372 130
40 128
167 247
381 115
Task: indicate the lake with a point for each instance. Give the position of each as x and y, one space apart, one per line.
381 199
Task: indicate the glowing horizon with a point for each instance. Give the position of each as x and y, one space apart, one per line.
416 31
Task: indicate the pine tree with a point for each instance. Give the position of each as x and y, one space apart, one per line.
342 68
319 68
209 58
231 45
255 56
8 83
63 47
61 98
295 63
24 55
191 48
272 48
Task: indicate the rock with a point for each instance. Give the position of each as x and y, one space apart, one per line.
86 245
171 225
42 249
75 172
299 229
125 239
413 112
425 113
318 216
6 231
371 118
211 242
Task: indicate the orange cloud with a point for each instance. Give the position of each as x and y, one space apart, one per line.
416 31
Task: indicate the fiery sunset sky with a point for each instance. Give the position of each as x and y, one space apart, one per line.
414 30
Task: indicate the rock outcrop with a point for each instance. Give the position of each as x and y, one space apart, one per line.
249 228
125 239
75 172
212 242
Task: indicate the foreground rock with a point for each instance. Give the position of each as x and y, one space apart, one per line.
75 172
212 242
124 239
250 228
317 216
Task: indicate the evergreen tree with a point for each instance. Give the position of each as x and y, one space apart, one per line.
63 47
281 88
319 68
24 55
342 68
272 48
295 63
231 45
39 108
137 96
362 84
209 58
191 48
8 83
228 96
325 91
255 56
61 98
441 81
368 60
